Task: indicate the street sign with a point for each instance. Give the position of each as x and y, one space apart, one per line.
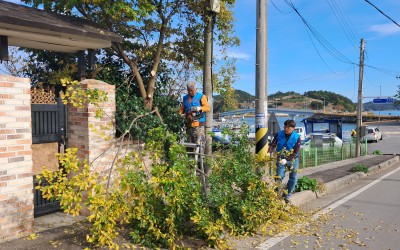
383 100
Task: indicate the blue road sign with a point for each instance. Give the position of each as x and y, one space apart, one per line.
383 100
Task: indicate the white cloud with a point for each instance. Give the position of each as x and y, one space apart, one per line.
239 55
385 29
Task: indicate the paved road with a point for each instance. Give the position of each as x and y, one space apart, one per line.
364 216
390 143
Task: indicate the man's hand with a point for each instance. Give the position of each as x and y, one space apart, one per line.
189 117
283 162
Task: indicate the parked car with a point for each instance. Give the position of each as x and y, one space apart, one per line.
373 134
328 140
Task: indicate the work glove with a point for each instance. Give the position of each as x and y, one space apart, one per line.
195 109
283 162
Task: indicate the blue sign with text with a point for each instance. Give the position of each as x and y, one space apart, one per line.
383 100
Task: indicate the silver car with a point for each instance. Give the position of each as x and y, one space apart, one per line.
373 134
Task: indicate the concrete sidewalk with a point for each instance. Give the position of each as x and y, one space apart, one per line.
62 231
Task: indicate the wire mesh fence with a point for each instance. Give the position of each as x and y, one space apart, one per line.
314 156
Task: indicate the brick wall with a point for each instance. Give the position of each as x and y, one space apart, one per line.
92 146
16 183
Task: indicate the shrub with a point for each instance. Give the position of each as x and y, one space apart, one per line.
159 201
306 183
377 152
360 168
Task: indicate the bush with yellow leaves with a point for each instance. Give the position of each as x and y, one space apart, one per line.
163 201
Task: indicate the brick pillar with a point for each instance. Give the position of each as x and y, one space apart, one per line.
16 183
92 146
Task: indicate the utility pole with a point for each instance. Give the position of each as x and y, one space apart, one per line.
211 7
380 94
360 98
261 79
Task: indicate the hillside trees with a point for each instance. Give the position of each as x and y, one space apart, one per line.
158 35
332 98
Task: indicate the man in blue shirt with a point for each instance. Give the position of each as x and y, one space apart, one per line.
193 108
287 144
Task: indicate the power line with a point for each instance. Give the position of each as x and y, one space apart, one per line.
322 41
382 12
343 22
385 71
279 9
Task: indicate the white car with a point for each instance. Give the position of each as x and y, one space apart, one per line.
373 134
328 140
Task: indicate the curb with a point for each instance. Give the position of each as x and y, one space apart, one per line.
303 197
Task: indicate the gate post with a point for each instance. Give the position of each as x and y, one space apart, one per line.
16 187
80 136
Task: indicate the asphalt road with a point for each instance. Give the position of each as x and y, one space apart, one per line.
390 144
363 216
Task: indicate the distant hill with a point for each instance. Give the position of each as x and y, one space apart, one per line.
242 96
315 100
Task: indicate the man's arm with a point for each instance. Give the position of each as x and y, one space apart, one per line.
182 110
205 106
296 150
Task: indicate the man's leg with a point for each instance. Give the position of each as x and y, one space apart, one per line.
293 168
280 172
191 134
199 134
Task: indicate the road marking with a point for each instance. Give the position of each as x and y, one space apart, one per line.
392 133
275 240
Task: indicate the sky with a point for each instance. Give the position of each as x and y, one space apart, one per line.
298 62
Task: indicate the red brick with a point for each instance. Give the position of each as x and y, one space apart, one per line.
8 201
3 184
7 177
13 137
6 84
6 155
26 152
25 209
7 131
6 96
3 149
24 141
2 113
27 186
23 119
21 131
25 175
22 107
15 148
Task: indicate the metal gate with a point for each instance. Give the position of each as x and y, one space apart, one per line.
48 125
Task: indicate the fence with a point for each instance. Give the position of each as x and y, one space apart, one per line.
314 156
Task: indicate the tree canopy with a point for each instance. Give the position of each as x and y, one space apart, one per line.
153 30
